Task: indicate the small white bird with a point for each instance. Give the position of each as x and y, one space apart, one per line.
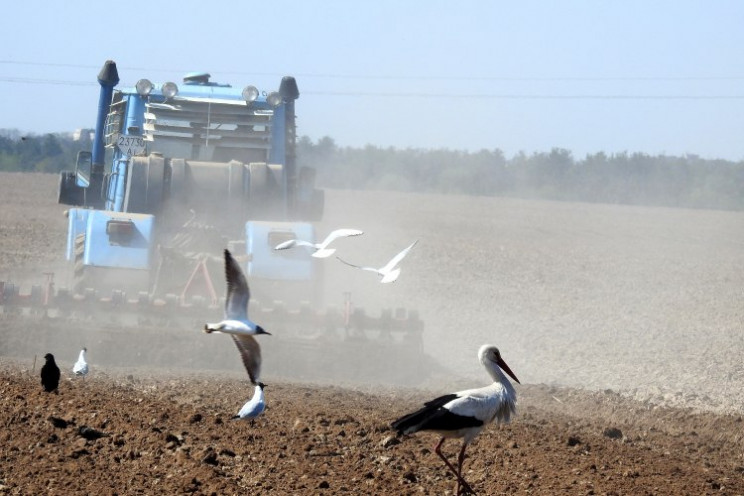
390 271
255 406
236 321
464 414
81 366
321 249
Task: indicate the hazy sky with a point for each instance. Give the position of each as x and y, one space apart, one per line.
588 76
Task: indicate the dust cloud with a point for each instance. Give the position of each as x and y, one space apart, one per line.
641 300
644 301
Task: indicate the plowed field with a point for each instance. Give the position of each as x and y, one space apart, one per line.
623 323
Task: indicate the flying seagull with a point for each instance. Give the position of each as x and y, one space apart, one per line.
390 271
255 406
81 366
236 322
321 249
464 414
49 374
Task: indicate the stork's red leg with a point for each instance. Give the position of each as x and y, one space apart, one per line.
460 460
460 480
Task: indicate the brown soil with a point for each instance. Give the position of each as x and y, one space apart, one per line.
173 434
623 323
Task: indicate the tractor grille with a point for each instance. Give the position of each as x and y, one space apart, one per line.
208 123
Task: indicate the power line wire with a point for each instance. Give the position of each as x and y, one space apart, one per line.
24 80
507 96
405 77
472 96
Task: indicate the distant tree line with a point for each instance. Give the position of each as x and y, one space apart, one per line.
51 152
626 178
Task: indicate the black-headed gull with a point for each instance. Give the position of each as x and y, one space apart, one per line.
236 321
81 366
464 414
321 249
255 406
390 271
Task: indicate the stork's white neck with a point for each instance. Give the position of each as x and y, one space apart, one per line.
498 376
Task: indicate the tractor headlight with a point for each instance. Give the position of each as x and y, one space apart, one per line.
274 99
144 87
250 93
170 90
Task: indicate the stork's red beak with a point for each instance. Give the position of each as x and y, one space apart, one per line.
506 369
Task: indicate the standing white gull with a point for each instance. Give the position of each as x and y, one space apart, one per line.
236 321
390 271
255 406
81 366
321 249
464 414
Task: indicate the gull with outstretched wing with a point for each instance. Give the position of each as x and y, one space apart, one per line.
390 271
321 249
236 321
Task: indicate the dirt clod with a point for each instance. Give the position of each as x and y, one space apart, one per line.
613 433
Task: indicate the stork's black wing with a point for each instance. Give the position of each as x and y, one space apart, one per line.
434 416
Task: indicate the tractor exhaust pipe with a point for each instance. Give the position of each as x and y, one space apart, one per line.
107 78
290 92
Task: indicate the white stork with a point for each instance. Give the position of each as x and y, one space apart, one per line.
464 414
236 321
321 249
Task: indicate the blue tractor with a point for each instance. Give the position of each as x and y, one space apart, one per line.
178 172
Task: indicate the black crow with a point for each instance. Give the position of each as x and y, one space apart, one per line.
50 374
